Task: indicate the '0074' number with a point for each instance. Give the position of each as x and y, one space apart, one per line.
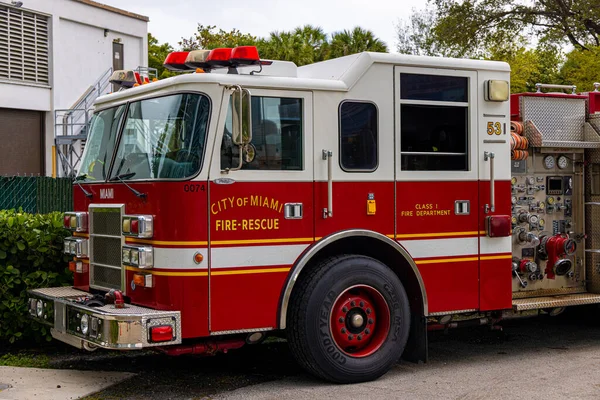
193 187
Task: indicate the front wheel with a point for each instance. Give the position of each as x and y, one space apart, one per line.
349 319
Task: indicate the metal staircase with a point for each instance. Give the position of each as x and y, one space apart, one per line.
71 125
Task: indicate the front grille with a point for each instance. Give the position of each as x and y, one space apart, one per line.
105 247
107 250
106 221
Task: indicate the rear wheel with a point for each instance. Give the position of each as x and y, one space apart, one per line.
348 319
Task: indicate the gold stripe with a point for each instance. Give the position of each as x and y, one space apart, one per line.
218 242
418 235
146 241
250 271
506 256
447 260
205 273
252 241
85 235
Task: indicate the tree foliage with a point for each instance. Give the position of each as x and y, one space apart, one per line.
156 56
355 41
208 37
469 28
581 68
303 45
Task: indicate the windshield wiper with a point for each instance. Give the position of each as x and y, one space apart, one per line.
80 178
127 176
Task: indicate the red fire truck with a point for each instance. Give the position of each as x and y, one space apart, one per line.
353 204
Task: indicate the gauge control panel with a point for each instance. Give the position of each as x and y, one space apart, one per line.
543 195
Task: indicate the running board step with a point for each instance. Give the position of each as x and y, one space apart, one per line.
566 300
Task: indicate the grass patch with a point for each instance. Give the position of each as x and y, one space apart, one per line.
25 360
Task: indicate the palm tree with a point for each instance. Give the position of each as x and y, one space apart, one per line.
314 45
304 45
355 41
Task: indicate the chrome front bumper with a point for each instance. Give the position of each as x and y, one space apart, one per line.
108 327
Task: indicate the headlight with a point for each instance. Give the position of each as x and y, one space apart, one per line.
138 256
85 324
126 256
135 256
40 309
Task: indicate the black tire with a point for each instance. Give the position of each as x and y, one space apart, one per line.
309 321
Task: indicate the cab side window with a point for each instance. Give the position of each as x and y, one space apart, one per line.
434 115
358 136
277 136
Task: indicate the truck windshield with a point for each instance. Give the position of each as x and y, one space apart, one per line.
163 138
103 132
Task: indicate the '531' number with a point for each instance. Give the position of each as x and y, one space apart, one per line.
494 127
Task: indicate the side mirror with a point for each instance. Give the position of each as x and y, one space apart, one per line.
241 116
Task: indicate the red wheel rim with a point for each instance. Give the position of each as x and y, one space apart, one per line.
360 321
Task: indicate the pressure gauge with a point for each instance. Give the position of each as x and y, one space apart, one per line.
514 220
541 223
513 180
514 199
550 200
562 162
542 205
549 162
534 219
531 180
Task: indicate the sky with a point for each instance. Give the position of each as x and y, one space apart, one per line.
172 19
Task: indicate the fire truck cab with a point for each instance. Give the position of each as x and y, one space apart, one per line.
348 203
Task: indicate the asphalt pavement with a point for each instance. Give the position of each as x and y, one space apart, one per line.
541 358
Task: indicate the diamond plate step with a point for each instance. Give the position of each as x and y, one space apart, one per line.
535 303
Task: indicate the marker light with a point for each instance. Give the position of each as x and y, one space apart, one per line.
496 90
124 78
245 55
143 280
84 325
162 333
219 57
76 221
140 226
498 225
175 61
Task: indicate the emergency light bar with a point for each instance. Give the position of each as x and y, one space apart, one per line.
210 59
123 78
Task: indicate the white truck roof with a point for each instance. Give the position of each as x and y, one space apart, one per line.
338 74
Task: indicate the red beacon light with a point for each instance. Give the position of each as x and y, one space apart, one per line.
220 57
215 58
245 55
175 61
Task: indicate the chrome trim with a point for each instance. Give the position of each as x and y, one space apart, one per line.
242 331
118 328
438 313
316 247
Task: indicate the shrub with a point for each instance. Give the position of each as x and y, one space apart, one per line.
30 257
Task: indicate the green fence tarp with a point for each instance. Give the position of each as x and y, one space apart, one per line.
36 194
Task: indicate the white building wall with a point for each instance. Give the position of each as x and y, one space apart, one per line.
81 38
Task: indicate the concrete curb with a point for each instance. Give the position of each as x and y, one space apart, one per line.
54 384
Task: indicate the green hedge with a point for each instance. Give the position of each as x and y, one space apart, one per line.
30 256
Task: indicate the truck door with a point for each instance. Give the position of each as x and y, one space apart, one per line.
437 189
493 158
261 215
